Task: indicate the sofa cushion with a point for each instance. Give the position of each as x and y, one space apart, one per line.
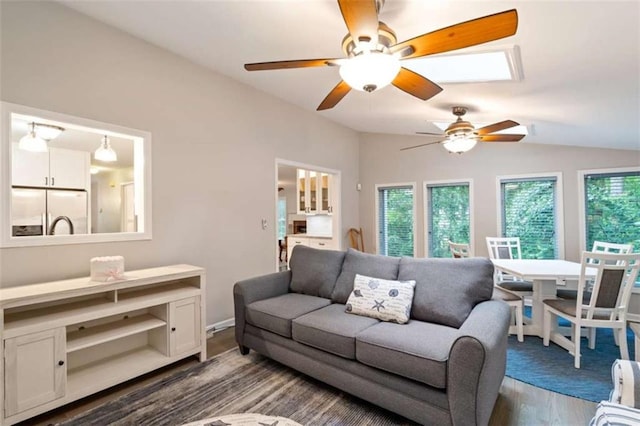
314 271
416 350
356 262
386 300
331 329
275 314
447 289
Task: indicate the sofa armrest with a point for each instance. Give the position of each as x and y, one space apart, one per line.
477 363
626 383
248 291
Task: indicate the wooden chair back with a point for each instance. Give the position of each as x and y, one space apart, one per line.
459 250
356 239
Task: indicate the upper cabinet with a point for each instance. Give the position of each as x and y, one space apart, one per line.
314 192
57 168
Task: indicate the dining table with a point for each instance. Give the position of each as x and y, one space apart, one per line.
546 275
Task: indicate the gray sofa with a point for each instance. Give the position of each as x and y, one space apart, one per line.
443 367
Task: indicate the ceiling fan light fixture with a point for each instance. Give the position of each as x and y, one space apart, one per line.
459 144
105 152
32 142
370 71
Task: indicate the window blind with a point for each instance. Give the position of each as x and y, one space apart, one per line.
448 217
395 221
612 208
529 212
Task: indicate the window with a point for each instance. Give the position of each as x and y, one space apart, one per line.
396 220
448 216
611 207
531 209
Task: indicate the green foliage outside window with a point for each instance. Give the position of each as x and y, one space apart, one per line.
396 221
448 218
613 209
529 213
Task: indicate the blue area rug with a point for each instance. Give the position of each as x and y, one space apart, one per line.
551 367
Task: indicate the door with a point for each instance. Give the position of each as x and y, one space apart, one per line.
35 370
128 214
184 319
71 205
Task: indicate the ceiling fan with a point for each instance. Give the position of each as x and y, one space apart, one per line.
461 136
374 55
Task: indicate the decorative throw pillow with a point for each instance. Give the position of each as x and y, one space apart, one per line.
385 300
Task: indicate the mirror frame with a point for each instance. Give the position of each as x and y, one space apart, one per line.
142 179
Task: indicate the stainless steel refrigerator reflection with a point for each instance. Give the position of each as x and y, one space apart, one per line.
47 212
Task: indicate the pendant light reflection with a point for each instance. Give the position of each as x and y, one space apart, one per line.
32 142
105 152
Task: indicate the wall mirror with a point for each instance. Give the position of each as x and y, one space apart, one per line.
68 180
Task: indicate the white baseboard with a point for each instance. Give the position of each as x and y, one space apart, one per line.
219 326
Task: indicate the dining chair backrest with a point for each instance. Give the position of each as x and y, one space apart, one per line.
615 276
504 247
602 247
356 239
459 250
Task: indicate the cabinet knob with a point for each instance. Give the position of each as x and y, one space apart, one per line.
53 181
61 363
173 329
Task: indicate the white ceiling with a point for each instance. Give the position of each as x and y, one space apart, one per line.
581 61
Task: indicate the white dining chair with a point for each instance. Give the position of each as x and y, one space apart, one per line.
606 307
598 247
515 301
508 248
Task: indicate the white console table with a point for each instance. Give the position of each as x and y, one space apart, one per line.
64 340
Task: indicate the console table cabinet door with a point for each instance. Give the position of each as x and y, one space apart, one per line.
35 370
184 320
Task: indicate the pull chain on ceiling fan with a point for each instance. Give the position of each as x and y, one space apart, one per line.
374 55
461 135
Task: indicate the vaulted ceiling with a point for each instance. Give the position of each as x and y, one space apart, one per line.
580 61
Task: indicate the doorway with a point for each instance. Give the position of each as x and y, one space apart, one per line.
319 188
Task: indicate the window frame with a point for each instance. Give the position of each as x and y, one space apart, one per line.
582 220
377 189
559 203
427 209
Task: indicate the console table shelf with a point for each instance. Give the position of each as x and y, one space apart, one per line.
64 340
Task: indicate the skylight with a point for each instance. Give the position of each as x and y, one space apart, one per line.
494 65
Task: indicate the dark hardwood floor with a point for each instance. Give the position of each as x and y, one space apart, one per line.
518 403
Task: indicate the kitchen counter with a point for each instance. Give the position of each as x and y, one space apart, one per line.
328 237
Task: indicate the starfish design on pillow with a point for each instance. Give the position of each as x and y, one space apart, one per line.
378 305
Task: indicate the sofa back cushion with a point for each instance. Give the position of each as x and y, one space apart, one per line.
314 271
447 289
371 265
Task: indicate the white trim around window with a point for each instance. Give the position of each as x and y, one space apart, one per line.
425 218
559 207
414 212
582 202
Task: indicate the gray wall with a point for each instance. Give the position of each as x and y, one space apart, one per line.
215 142
382 162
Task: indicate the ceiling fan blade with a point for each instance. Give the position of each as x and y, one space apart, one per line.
465 34
501 138
334 96
421 145
431 134
416 85
301 63
496 127
361 17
